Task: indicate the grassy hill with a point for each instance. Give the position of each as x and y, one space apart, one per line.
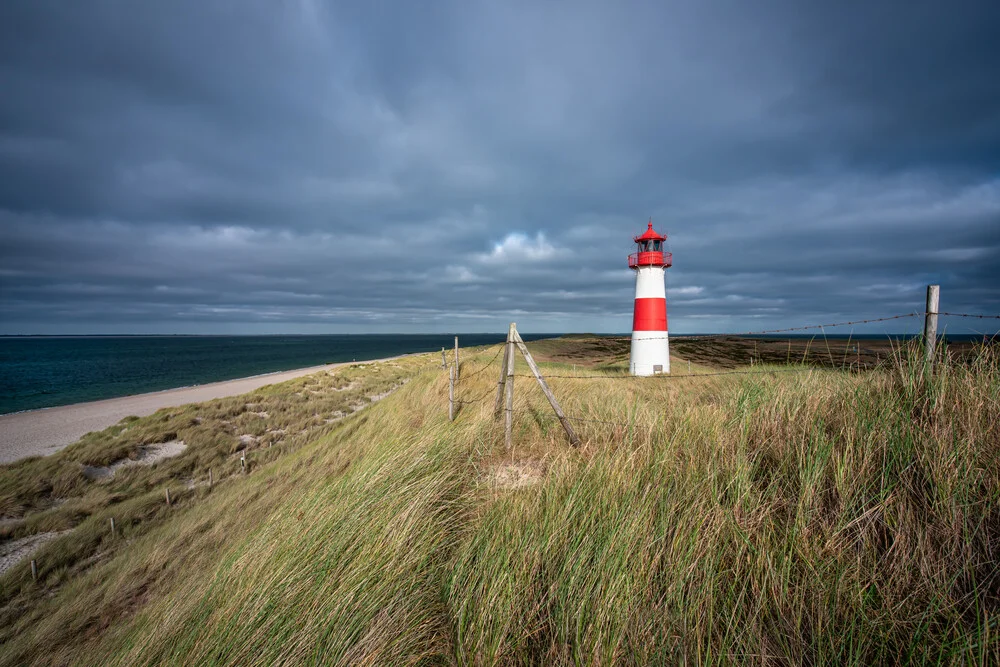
819 517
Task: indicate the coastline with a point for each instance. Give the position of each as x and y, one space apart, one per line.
45 431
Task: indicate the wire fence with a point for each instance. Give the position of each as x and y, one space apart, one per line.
768 332
982 317
486 367
852 348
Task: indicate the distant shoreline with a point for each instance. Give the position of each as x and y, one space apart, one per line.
45 431
48 371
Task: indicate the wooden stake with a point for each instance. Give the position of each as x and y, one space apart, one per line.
444 359
931 323
501 383
509 387
456 358
574 440
210 478
34 570
451 394
112 527
243 461
167 493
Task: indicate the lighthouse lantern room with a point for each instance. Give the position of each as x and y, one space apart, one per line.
650 347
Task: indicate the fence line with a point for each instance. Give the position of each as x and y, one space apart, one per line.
672 376
679 376
765 332
928 315
500 348
481 397
982 317
743 334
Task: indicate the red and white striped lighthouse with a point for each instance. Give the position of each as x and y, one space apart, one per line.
650 347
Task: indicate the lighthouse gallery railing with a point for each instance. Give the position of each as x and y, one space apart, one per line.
650 259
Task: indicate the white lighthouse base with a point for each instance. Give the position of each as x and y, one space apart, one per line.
650 353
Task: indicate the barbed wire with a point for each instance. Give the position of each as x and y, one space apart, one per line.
674 376
740 334
502 347
678 376
981 317
478 399
763 332
879 364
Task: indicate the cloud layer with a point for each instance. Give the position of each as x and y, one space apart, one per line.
222 166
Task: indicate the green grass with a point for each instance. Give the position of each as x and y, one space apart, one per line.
821 517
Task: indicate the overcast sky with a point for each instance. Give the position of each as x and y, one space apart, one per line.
235 166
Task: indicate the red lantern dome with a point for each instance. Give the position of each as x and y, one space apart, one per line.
650 250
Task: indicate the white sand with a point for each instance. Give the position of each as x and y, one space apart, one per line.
46 431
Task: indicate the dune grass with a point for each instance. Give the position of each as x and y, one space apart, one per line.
820 517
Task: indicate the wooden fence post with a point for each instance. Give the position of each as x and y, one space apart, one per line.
501 383
166 492
112 527
243 461
509 386
444 359
451 394
210 478
456 357
34 570
574 440
930 323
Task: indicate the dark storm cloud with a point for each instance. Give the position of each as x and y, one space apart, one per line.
310 166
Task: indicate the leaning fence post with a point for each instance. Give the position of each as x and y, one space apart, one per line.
456 357
451 394
34 570
570 433
112 527
210 478
930 323
166 492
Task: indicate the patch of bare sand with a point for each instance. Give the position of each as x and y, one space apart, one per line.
148 455
518 475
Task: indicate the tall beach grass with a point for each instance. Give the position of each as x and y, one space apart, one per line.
820 517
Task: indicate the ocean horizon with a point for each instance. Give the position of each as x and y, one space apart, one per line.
43 371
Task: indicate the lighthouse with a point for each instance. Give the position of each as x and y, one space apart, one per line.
650 348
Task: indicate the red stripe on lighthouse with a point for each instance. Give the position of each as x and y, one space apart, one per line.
650 315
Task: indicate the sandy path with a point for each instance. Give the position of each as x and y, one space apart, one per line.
45 431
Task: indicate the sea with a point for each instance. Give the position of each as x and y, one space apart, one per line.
46 371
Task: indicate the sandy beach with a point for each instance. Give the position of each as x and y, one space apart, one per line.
46 431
